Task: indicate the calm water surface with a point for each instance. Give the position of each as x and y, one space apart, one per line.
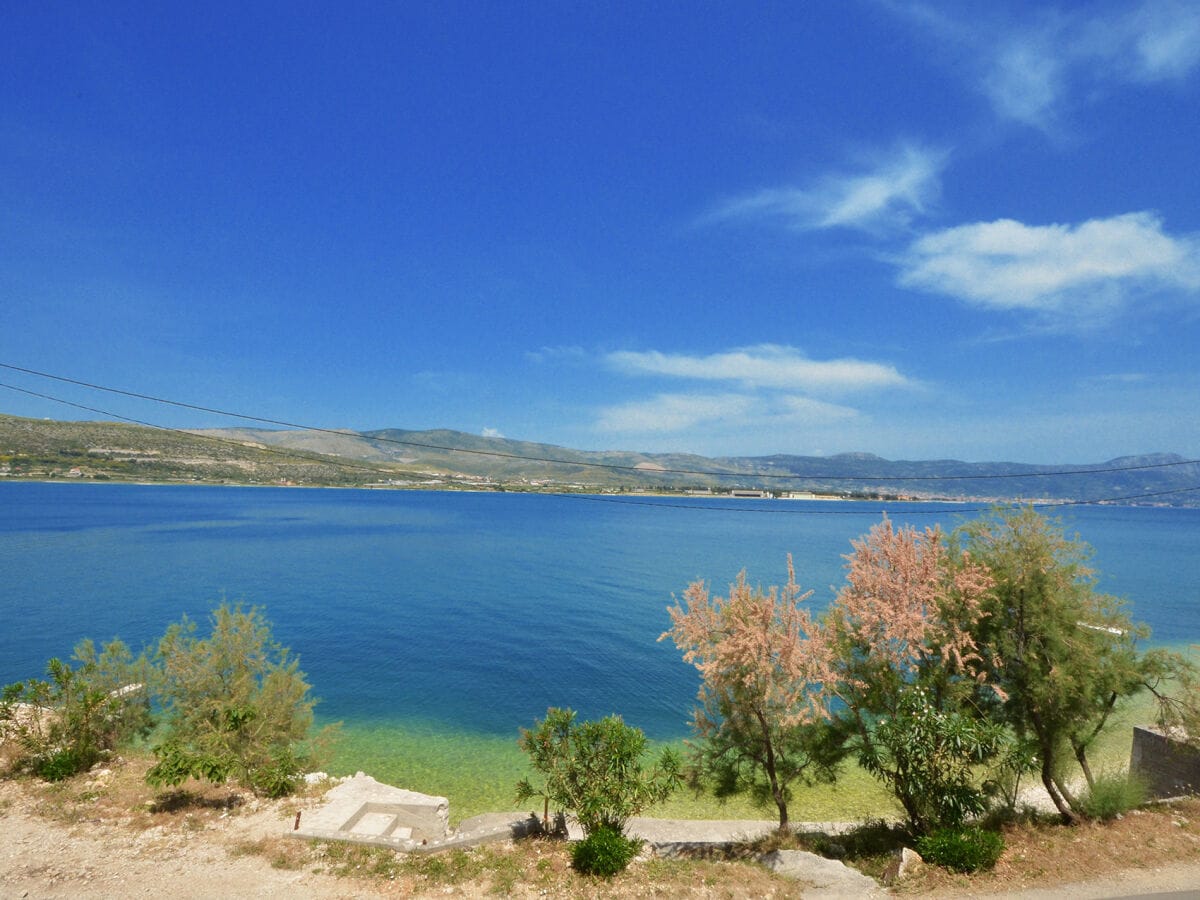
436 624
451 613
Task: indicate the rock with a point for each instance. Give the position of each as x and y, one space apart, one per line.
828 877
904 862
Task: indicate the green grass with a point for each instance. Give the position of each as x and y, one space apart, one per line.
478 773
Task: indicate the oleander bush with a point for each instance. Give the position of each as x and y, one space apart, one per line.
594 769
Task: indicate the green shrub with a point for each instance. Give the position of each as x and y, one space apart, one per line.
962 849
604 852
594 769
62 765
62 725
1113 794
236 705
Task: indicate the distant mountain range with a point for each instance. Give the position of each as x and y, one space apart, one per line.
38 448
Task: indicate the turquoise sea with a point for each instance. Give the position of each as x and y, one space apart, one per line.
434 624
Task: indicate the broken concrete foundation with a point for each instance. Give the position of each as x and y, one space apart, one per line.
364 811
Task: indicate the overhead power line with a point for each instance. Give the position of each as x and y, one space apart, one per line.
625 501
287 453
640 470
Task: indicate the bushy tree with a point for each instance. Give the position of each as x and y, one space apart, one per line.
65 723
235 702
1063 654
927 757
595 769
761 720
906 669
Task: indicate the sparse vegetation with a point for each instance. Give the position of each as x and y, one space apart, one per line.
46 449
1113 794
62 725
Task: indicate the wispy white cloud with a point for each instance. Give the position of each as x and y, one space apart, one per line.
1032 74
1085 270
1027 80
765 365
771 389
887 191
556 354
1156 40
673 413
491 433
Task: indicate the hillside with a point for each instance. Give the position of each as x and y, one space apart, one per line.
36 448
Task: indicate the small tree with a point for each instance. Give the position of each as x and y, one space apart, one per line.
65 724
236 705
761 718
907 672
1062 654
594 769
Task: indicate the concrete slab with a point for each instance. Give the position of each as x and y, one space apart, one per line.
363 810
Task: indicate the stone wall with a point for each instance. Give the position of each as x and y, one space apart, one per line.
1169 768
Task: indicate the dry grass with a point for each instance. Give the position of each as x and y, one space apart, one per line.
1044 853
527 868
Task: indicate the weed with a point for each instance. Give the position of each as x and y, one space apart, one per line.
1114 794
962 849
347 859
604 852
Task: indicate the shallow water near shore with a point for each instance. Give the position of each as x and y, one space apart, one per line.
436 624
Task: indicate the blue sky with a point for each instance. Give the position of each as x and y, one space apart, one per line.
919 230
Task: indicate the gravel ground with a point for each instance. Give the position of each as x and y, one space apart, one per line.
42 857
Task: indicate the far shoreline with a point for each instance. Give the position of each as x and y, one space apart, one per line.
613 496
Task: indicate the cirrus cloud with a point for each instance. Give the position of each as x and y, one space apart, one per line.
670 413
1091 268
1034 69
764 365
892 188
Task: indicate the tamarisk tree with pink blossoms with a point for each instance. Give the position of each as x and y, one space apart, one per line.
761 717
906 670
889 672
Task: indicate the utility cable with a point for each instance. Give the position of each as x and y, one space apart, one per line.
320 459
595 465
768 509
